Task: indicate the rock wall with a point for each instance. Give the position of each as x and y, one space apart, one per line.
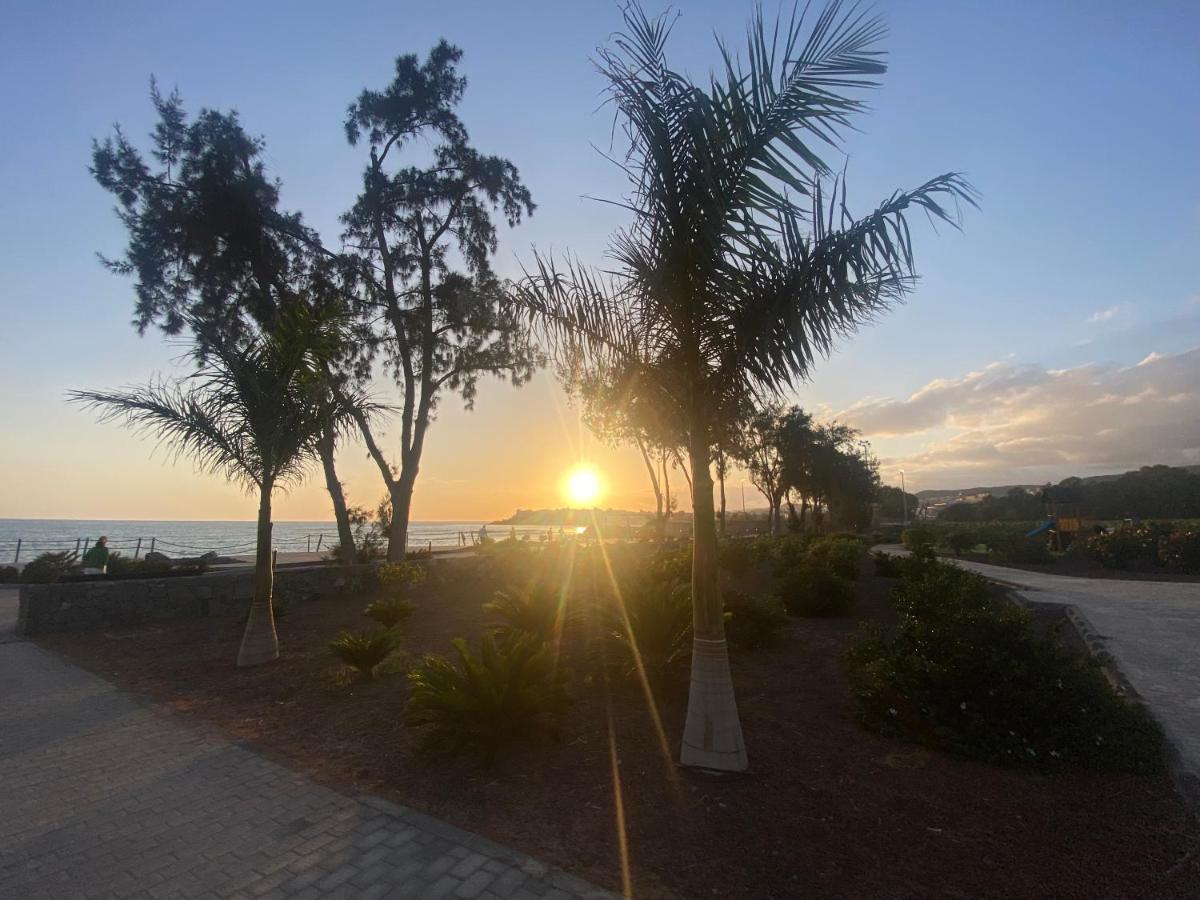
89 605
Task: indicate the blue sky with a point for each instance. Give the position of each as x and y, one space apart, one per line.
1077 121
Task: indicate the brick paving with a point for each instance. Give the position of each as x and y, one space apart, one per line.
102 795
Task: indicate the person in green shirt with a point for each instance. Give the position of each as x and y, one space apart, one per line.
95 561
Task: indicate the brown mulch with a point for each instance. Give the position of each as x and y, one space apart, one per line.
829 810
1085 568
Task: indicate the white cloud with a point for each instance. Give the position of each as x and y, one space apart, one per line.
1025 423
1103 315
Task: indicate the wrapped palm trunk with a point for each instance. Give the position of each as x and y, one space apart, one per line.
260 644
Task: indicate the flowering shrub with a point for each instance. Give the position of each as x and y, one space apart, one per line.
816 591
752 623
1181 550
966 673
1130 546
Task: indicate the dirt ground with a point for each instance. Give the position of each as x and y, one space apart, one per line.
829 810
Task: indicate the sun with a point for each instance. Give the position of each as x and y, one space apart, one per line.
582 486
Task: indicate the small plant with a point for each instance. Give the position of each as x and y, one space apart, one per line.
1020 549
840 554
364 650
960 540
535 611
816 591
488 701
918 536
396 578
652 626
389 612
753 623
48 568
886 565
1180 550
1131 546
9 574
736 557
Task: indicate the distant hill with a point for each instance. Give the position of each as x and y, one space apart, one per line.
1002 489
568 516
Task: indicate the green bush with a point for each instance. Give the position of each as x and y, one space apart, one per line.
816 591
737 556
389 612
487 702
396 578
919 536
752 622
650 628
1016 548
959 540
48 568
364 650
1139 545
1180 550
966 673
886 565
536 611
9 574
839 554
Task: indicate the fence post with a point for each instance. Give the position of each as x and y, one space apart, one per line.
151 550
17 557
77 548
320 537
274 559
431 546
138 550
309 538
86 542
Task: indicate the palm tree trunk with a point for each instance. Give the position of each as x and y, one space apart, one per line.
721 479
260 644
340 514
712 734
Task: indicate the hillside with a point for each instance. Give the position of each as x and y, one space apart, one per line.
1001 490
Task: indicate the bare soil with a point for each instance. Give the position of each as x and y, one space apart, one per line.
829 809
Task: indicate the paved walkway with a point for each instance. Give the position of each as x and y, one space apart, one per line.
102 796
1151 629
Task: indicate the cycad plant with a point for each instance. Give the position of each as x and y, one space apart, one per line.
250 411
742 264
536 610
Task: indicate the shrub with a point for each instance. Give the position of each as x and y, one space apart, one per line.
364 650
816 591
960 540
508 692
753 622
1181 550
9 574
395 578
838 554
1132 546
535 611
652 625
918 536
1016 548
737 556
389 612
48 568
967 674
886 565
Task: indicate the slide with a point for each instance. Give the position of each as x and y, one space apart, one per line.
1041 529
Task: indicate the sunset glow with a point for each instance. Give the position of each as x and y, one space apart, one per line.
582 486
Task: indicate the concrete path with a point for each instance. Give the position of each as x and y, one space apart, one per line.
103 796
1151 629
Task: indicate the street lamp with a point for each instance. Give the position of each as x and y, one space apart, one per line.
904 496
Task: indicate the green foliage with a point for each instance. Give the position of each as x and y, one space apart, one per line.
124 567
48 568
9 574
536 610
966 673
364 650
1130 546
816 591
840 554
960 540
652 625
1180 550
389 612
737 556
753 622
486 702
918 536
887 565
1017 548
396 578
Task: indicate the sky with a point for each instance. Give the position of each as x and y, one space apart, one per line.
1057 334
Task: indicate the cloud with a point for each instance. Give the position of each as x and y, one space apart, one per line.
1103 315
1025 423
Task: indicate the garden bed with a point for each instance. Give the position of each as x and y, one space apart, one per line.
829 810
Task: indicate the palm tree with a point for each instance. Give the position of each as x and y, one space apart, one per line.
254 410
742 264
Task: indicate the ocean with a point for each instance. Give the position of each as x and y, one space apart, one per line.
194 538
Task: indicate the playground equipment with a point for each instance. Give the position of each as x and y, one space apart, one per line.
1064 522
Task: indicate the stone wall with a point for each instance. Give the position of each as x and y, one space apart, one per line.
88 605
